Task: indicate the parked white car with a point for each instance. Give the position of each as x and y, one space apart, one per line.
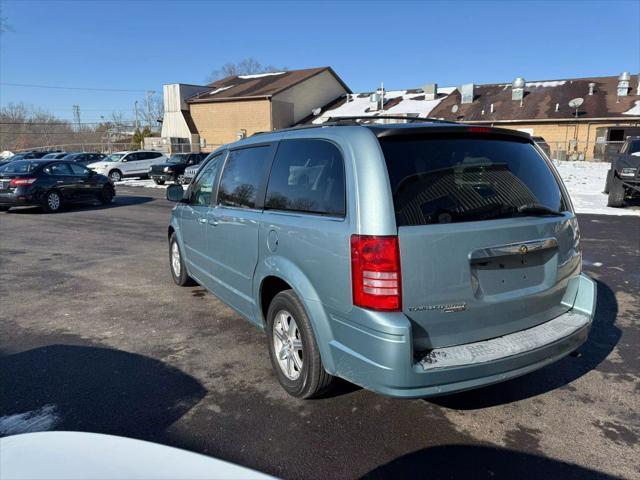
127 164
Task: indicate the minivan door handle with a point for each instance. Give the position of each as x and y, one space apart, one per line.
522 248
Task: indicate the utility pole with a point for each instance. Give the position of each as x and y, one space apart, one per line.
149 95
76 116
135 108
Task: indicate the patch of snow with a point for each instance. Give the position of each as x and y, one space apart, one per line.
635 110
553 83
221 89
260 75
585 183
40 420
446 90
359 103
589 263
408 105
138 182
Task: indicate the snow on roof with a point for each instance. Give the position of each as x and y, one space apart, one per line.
552 83
635 110
221 89
409 103
260 75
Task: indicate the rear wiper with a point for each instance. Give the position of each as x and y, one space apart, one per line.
538 209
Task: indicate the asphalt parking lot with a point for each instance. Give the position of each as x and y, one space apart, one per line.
93 329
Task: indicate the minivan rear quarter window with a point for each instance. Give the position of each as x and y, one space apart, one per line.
450 178
307 176
241 177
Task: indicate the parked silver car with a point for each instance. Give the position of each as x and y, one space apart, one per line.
411 259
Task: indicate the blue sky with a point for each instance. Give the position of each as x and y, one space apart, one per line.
139 45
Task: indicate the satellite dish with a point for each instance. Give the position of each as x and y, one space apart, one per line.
454 109
576 102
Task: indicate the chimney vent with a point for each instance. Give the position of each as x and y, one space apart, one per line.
592 88
374 102
466 92
430 91
517 89
623 84
491 108
557 107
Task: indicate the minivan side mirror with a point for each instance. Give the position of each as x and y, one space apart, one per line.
175 193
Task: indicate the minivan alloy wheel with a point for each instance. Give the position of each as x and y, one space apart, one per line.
287 343
175 259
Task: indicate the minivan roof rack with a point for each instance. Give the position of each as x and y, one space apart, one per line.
353 120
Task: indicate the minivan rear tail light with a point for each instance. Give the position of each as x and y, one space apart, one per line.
20 182
479 130
375 272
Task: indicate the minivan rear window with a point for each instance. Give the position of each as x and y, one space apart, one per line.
457 178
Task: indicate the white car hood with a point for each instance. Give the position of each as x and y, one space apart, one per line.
92 456
100 164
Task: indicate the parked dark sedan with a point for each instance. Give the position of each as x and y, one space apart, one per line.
85 157
51 184
173 169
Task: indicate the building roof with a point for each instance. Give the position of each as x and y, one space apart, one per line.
540 99
262 85
396 102
539 103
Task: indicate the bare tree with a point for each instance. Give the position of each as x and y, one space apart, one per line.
248 66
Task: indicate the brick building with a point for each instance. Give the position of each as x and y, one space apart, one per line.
610 109
221 112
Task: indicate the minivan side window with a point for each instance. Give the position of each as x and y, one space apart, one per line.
307 176
203 184
241 177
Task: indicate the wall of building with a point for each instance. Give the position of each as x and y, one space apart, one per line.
173 122
315 92
219 122
573 138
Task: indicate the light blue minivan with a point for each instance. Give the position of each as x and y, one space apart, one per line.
413 259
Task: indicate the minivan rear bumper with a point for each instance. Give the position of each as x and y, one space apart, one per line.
380 356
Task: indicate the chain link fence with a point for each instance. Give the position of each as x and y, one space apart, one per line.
575 150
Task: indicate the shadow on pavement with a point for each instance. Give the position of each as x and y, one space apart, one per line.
603 338
118 201
477 462
96 390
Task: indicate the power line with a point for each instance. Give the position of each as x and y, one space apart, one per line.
69 123
30 85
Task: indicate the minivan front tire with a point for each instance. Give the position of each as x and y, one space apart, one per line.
176 264
293 350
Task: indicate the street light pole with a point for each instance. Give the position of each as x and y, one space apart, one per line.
135 108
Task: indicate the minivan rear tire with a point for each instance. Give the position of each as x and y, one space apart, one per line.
181 278
313 380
